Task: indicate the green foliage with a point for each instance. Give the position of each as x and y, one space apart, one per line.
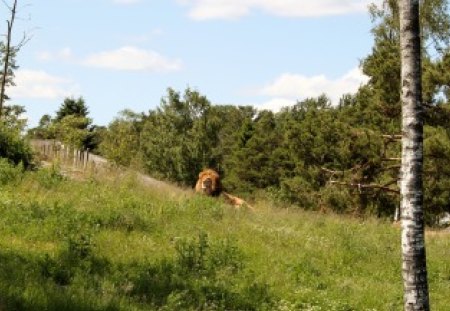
14 147
44 130
253 162
50 177
437 181
178 138
72 107
71 126
77 257
72 130
12 117
12 66
120 142
202 275
337 199
9 172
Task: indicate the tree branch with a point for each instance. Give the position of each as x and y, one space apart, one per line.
367 186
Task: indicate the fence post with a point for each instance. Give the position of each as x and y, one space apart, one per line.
86 159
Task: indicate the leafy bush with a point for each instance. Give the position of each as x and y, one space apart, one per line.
50 177
14 147
336 199
9 172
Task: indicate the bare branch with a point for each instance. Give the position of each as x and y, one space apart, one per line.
7 5
391 159
366 186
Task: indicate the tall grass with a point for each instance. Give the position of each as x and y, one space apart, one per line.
114 244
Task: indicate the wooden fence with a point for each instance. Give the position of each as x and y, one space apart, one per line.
55 151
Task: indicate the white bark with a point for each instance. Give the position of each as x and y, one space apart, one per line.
411 187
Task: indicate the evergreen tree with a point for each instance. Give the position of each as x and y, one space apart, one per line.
72 107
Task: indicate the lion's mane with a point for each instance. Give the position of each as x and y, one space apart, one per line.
209 183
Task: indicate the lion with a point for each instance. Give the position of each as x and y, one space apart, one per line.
208 183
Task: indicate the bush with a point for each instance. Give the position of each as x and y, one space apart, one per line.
203 275
77 257
9 172
337 199
299 191
14 147
50 177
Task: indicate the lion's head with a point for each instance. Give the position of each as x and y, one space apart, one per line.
208 183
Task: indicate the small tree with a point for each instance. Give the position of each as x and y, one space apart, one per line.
8 52
72 130
120 142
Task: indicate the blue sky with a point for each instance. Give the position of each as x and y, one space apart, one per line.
124 54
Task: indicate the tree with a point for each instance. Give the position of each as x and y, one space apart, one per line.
383 63
72 106
8 52
120 141
173 137
253 163
72 130
413 242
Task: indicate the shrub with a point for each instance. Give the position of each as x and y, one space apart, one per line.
50 177
77 257
337 199
9 172
14 147
203 275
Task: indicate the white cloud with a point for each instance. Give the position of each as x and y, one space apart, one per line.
299 86
288 88
229 9
275 104
41 85
64 54
132 59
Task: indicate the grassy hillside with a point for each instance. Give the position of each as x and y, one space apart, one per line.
111 243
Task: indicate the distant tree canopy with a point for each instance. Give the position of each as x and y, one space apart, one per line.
72 107
312 154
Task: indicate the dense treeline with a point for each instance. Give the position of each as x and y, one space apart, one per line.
313 154
318 155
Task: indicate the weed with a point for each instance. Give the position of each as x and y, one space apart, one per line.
10 173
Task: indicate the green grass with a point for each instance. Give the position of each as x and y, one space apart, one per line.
110 243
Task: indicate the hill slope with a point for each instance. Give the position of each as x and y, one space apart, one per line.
112 243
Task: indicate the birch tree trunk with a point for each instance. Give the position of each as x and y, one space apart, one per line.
413 241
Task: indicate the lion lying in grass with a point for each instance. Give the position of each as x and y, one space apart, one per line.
208 183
